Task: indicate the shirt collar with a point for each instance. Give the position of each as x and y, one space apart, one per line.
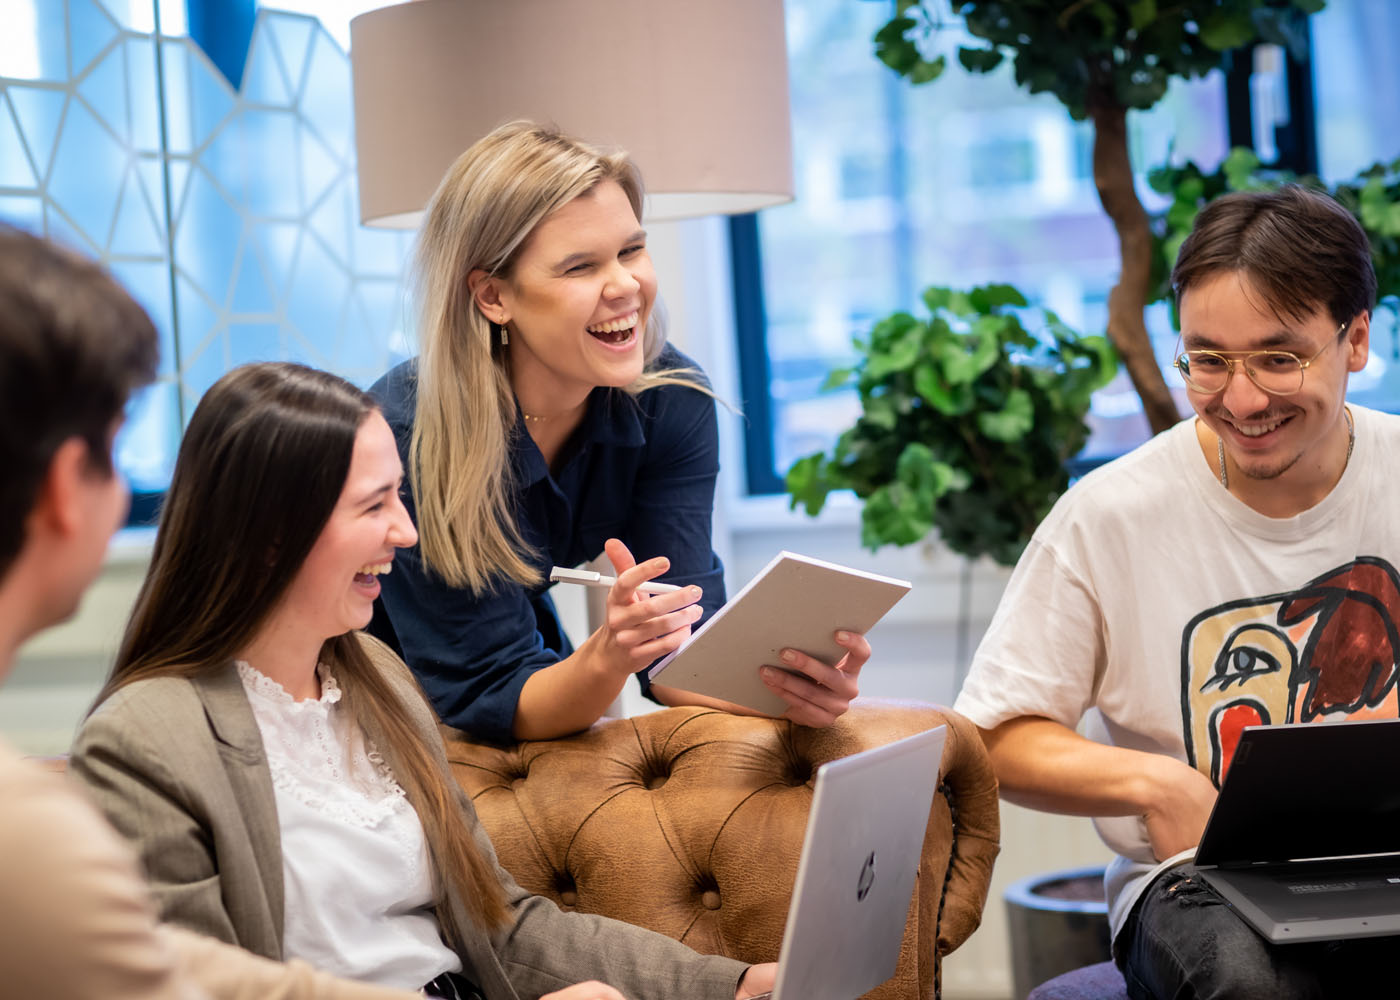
614 418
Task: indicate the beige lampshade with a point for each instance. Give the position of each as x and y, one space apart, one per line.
695 90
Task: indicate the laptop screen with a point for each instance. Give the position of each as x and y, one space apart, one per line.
1306 791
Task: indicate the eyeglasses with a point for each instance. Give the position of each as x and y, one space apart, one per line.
1279 373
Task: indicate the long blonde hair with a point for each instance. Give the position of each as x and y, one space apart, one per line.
485 209
260 469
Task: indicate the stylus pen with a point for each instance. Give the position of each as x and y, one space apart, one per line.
586 579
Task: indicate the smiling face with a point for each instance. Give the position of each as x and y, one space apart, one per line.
1295 440
575 302
334 590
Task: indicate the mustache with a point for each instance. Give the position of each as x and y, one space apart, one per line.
1262 416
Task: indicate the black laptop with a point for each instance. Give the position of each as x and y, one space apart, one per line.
1304 840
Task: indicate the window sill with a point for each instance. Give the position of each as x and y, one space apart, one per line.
749 514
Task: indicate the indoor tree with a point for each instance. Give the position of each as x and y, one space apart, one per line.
1100 58
1373 196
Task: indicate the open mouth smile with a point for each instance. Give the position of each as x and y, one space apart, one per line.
367 576
616 332
1255 431
1259 430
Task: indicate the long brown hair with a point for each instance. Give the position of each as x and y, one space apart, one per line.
260 469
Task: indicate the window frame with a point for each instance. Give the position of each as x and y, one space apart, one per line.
1296 143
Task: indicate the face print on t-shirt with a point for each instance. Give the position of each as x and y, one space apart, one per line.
1329 650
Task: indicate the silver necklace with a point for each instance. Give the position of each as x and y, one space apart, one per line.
1351 443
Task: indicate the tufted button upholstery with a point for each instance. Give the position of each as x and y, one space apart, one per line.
690 822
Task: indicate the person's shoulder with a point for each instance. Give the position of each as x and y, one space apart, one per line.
383 658
159 692
21 780
40 805
141 710
78 918
684 401
54 832
54 843
1381 422
391 667
1140 480
672 356
399 677
672 360
397 393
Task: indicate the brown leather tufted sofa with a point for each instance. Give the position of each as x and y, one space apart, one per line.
690 821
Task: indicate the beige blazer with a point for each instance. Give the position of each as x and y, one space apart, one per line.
177 764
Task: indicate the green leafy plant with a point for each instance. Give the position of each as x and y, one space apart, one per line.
968 420
1373 197
1101 58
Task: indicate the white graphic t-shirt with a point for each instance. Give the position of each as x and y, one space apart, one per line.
1179 615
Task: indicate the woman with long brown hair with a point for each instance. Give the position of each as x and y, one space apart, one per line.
279 773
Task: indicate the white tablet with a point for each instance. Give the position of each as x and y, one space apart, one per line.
795 602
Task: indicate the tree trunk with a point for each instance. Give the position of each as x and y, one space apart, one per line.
1113 176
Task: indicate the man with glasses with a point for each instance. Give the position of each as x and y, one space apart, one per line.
1237 569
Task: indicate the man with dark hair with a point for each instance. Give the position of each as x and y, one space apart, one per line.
1237 569
76 922
74 346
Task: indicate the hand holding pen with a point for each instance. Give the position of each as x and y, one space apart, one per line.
645 619
587 578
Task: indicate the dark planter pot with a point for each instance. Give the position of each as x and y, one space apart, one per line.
1057 922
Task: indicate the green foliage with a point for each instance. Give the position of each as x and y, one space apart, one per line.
1111 52
1373 197
968 420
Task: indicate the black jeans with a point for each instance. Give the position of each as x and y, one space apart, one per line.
1184 942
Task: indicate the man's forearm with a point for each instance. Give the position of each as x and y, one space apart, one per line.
1044 765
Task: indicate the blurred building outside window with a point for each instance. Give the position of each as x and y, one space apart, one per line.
970 180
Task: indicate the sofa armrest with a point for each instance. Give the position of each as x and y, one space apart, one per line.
690 822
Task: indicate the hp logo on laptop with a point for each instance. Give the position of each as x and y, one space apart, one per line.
867 877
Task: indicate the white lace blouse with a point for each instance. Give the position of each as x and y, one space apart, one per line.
358 883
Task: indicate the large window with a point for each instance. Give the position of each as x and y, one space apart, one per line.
221 191
970 180
1355 81
217 181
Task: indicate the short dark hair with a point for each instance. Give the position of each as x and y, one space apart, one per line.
73 347
1300 249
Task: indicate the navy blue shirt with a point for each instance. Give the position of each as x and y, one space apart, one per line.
641 469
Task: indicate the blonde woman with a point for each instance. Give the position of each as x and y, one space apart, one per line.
546 421
279 774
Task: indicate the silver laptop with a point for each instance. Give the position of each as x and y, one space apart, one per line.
1304 840
864 839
